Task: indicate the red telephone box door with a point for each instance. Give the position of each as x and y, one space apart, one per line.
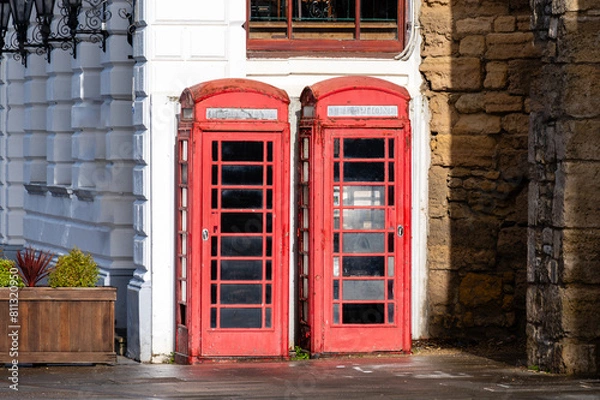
242 260
232 221
364 274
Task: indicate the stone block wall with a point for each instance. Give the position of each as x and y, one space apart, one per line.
478 61
563 324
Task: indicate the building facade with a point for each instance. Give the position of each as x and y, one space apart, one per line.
91 157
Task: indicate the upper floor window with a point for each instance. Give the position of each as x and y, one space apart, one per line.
325 26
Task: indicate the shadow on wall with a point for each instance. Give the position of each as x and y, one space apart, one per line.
478 62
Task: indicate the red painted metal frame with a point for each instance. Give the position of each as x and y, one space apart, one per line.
317 329
191 329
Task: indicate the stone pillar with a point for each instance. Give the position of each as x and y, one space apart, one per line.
114 164
58 117
563 324
35 120
86 145
12 156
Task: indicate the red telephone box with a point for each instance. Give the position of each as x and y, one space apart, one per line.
232 221
354 217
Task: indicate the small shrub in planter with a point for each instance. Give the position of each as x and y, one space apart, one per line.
70 322
9 275
74 269
34 265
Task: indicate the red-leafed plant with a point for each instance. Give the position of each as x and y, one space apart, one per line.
34 265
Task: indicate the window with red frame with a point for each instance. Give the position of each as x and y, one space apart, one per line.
335 26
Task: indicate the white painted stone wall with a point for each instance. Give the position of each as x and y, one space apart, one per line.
67 155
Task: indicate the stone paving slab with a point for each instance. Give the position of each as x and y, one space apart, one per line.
457 376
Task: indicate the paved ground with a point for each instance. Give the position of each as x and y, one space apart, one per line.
433 376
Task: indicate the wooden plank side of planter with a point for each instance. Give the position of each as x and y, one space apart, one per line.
62 325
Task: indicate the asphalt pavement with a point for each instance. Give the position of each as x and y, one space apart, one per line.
432 376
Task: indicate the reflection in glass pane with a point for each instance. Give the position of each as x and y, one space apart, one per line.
213 317
305 149
184 150
336 289
391 313
336 172
336 219
215 175
390 288
336 242
268 318
370 313
364 266
364 148
241 270
364 219
241 222
183 220
241 318
363 290
241 198
269 175
242 175
363 195
242 151
215 151
363 172
336 313
363 242
214 199
183 197
336 148
269 272
213 294
241 294
336 195
184 174
304 172
213 270
336 266
239 246
390 266
213 246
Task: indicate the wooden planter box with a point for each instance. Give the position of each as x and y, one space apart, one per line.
58 325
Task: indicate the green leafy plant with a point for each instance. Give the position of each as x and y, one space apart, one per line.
9 275
74 269
34 265
300 354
